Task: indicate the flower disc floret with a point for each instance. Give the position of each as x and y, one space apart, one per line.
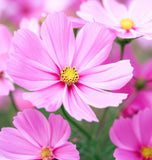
46 154
69 75
146 152
127 24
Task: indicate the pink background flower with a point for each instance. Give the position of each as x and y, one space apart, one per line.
36 138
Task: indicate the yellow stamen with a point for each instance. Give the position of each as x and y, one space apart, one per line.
46 154
127 24
69 75
146 152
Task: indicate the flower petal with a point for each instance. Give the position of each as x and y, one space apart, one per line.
13 145
93 11
49 98
5 39
66 152
123 136
33 126
99 98
29 55
110 77
58 37
121 154
59 129
142 126
93 48
76 107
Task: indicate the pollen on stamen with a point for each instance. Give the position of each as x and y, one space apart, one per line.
46 154
127 24
146 152
69 75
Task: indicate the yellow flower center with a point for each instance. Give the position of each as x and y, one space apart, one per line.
69 75
146 152
127 24
46 154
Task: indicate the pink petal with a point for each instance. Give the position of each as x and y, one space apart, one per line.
110 77
139 12
66 152
30 56
58 37
99 98
5 86
142 126
33 126
93 11
123 136
76 107
3 61
5 39
59 129
121 154
117 11
49 98
13 145
93 48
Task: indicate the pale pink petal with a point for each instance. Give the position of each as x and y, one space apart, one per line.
59 129
93 48
49 98
58 37
92 11
110 77
121 154
3 61
21 103
76 107
99 98
5 86
142 126
123 136
19 147
67 151
5 39
140 12
30 65
34 126
117 11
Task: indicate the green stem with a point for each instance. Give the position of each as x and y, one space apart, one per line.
12 100
99 126
122 51
75 124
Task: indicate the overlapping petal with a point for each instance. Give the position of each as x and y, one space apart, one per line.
76 107
58 37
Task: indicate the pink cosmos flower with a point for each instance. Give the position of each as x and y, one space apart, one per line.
5 41
21 103
139 89
23 9
61 69
133 137
126 20
34 138
3 158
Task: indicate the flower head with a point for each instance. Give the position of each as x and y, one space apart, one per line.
36 138
127 20
61 69
133 137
